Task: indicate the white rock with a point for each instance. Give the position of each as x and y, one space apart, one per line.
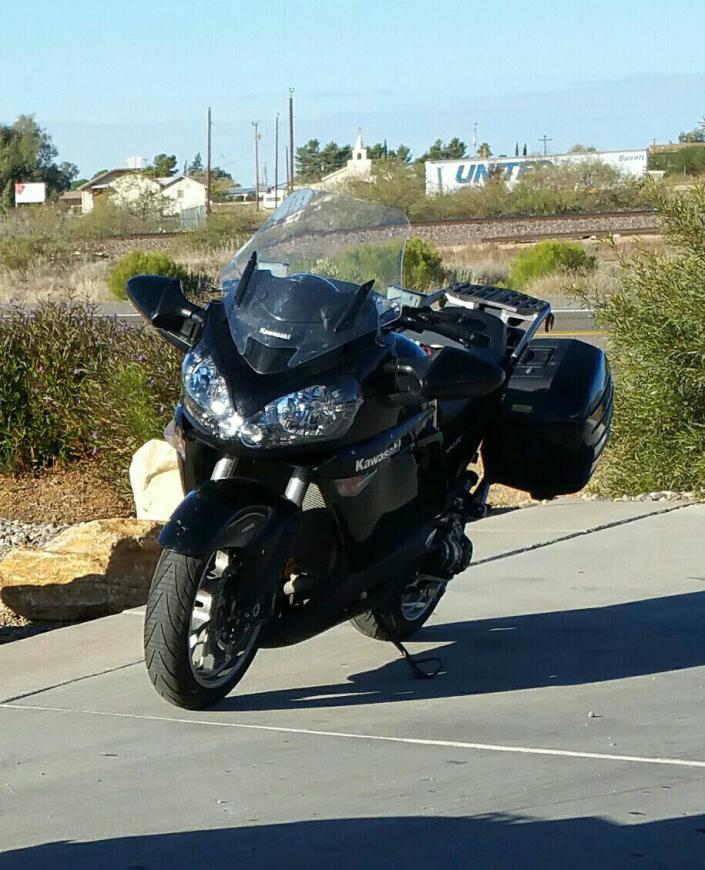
155 481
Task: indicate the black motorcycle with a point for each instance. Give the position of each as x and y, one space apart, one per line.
326 433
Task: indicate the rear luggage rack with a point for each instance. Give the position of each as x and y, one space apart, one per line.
513 307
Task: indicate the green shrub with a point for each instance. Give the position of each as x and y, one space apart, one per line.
684 161
142 263
423 266
226 229
656 322
545 258
74 385
19 253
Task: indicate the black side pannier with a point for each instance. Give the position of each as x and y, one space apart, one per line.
554 420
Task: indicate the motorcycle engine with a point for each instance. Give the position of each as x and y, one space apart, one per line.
454 550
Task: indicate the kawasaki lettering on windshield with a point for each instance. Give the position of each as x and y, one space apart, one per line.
365 464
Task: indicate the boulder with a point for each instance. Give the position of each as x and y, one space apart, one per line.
156 481
92 569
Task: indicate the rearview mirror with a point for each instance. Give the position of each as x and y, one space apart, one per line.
452 373
161 301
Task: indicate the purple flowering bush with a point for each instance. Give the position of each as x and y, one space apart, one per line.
74 385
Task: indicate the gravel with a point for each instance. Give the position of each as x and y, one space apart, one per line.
14 533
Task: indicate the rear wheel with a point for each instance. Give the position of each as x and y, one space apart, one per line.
405 614
198 641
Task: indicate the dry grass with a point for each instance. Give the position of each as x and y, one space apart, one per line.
81 279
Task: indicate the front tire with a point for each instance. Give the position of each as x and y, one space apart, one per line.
404 614
188 660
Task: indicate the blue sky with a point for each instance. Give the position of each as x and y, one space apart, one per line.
134 77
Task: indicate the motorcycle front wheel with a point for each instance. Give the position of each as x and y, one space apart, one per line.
197 644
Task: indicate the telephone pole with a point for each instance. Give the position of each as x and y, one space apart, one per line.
291 140
276 161
286 163
208 165
255 124
545 139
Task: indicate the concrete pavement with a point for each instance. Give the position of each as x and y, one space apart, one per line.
566 731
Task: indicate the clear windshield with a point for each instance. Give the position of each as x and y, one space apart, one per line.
292 292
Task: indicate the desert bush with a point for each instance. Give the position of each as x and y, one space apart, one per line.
543 189
74 385
423 266
224 229
684 161
545 258
142 263
657 343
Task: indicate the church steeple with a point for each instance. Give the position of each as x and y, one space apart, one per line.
359 151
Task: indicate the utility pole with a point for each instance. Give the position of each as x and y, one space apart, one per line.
286 163
474 139
208 165
291 141
255 124
545 139
276 161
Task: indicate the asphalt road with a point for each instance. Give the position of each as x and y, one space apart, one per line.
576 323
566 731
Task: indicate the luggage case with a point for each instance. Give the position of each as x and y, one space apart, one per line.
554 420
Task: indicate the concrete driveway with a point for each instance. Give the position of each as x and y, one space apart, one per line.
566 732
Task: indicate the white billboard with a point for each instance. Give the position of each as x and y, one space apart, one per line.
445 176
30 192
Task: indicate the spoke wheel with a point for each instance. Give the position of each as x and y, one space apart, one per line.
220 636
198 641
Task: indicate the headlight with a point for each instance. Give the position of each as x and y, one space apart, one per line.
318 412
206 396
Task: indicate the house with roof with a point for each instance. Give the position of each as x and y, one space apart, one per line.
171 195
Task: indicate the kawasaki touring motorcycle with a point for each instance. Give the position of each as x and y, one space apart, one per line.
326 429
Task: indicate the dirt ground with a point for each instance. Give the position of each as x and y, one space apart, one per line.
73 495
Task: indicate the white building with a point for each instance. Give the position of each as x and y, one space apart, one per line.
445 176
172 195
358 166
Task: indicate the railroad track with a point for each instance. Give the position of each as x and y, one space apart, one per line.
506 228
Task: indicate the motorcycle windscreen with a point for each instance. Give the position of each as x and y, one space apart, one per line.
293 292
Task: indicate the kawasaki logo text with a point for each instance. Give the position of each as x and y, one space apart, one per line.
364 464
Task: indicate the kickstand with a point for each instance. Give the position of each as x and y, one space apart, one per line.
415 663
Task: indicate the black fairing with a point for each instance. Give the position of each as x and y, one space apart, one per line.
280 323
251 391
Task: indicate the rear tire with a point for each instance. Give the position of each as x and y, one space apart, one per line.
396 619
169 634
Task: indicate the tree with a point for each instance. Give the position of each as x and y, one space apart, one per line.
484 151
403 154
697 134
196 165
381 151
308 160
163 166
455 149
582 149
28 154
313 162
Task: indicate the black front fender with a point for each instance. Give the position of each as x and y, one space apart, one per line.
211 517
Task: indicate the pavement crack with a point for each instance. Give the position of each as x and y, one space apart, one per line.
70 682
580 534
